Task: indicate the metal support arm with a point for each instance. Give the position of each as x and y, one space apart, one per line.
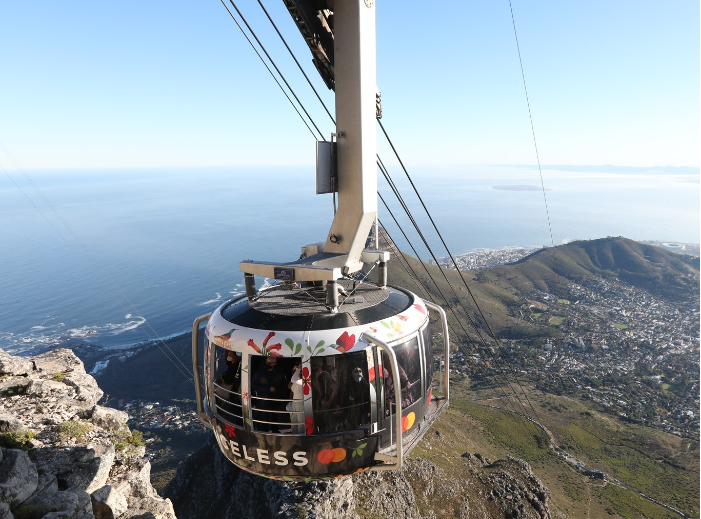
196 369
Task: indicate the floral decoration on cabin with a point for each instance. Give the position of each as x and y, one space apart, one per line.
371 374
318 349
294 349
230 430
327 456
395 328
419 308
309 425
345 342
266 350
306 378
358 451
408 421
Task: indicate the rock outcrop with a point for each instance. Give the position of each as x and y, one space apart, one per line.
61 454
469 486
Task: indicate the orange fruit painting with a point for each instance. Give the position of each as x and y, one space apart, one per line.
327 456
408 421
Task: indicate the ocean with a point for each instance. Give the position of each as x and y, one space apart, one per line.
121 257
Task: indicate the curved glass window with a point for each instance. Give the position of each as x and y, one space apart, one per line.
409 364
227 385
341 392
277 394
428 349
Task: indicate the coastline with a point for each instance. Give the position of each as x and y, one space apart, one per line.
90 348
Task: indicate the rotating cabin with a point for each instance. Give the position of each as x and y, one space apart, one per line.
325 373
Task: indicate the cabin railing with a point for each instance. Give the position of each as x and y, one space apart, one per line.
391 462
201 414
446 348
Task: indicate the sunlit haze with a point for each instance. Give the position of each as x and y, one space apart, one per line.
164 84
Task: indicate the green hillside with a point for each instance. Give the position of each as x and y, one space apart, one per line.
524 306
501 291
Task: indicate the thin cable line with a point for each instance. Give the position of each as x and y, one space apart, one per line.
440 236
447 303
407 267
504 377
267 67
321 135
535 145
153 338
297 62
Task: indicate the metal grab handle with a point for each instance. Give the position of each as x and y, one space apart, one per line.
397 464
196 369
446 347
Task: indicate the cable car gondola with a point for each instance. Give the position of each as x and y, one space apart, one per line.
325 373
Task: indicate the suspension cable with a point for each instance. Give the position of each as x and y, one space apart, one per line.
274 65
537 155
452 330
297 62
467 314
268 68
479 310
184 370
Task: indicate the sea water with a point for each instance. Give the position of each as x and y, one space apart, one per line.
117 258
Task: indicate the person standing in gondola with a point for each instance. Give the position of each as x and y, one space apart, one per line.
358 399
269 384
231 381
324 398
296 406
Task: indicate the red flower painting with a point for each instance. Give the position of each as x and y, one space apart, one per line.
267 349
306 380
230 430
419 308
345 342
309 424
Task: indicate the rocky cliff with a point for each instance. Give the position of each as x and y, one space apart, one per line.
61 454
208 485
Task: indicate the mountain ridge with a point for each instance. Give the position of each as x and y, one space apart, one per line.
501 293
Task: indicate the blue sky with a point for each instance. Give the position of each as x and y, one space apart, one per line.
165 84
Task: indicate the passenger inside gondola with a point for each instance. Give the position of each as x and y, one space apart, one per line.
357 399
409 367
296 405
324 397
269 386
228 387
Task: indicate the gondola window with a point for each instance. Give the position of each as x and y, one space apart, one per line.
341 392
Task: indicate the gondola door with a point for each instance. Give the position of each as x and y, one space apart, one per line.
411 380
